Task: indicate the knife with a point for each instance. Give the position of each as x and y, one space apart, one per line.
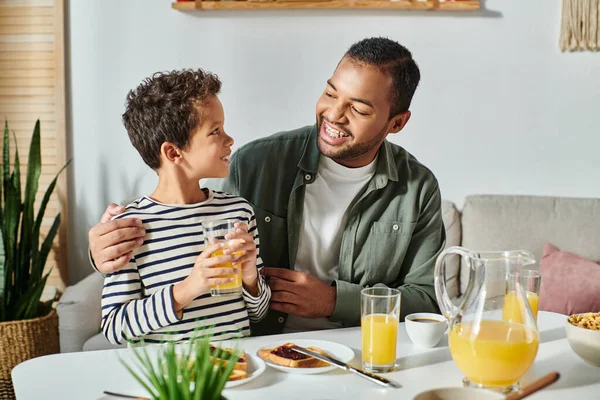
330 360
125 396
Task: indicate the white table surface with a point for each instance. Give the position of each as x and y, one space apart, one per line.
86 375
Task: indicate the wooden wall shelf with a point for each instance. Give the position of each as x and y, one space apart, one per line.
431 5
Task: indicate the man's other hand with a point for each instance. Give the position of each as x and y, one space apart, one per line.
112 242
300 294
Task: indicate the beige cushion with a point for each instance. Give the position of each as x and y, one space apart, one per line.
79 312
451 218
496 222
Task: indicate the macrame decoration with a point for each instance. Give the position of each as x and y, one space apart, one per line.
580 29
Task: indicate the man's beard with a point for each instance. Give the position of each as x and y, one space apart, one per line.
349 152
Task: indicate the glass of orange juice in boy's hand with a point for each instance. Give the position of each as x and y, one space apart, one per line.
214 232
380 317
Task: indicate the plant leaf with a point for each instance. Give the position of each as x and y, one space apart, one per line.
141 358
154 377
142 382
46 198
37 267
203 367
3 275
46 246
172 367
158 374
17 171
6 158
7 273
3 166
187 369
34 169
11 219
223 373
29 301
20 282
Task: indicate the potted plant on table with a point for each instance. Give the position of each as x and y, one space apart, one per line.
28 327
199 372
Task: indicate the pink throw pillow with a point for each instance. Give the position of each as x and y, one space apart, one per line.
570 283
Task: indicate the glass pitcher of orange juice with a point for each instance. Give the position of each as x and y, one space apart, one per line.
493 336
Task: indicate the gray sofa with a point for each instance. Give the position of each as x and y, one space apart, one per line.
487 222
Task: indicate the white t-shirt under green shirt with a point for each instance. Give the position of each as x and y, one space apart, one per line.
324 217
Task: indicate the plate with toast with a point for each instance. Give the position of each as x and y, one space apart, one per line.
281 356
246 368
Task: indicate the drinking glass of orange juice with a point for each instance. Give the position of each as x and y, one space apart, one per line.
530 281
214 232
380 317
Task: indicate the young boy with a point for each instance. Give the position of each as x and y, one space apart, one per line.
175 121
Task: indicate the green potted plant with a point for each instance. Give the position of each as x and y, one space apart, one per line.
28 327
196 373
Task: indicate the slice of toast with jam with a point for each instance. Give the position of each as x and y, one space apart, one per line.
238 374
285 356
225 354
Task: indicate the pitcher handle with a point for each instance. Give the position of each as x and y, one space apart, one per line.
448 309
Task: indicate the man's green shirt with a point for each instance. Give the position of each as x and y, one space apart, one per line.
394 230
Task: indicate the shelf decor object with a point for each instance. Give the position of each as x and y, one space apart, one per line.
407 5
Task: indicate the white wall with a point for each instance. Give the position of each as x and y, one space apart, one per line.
500 109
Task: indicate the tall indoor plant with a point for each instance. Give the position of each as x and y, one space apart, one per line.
28 327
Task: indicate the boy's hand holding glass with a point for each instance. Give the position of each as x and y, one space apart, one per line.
204 275
242 244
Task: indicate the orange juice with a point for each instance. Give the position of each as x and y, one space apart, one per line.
495 353
379 337
237 278
511 310
533 303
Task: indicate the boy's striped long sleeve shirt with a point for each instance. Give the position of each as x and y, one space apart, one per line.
137 301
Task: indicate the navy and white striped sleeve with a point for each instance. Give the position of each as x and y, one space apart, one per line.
126 314
257 306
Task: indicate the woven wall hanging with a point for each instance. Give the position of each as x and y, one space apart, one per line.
579 29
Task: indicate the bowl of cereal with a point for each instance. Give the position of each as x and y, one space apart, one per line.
583 334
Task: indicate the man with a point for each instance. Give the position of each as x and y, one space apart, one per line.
338 207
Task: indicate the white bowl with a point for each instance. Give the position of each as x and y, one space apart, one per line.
458 393
425 334
585 343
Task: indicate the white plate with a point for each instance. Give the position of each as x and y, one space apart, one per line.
256 366
336 350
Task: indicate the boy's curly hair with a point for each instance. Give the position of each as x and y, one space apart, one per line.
164 108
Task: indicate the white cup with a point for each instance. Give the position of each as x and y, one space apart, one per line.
425 329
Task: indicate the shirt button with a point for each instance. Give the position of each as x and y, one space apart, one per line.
267 219
395 227
280 320
308 177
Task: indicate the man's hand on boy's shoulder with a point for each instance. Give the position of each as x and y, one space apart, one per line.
300 294
112 242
